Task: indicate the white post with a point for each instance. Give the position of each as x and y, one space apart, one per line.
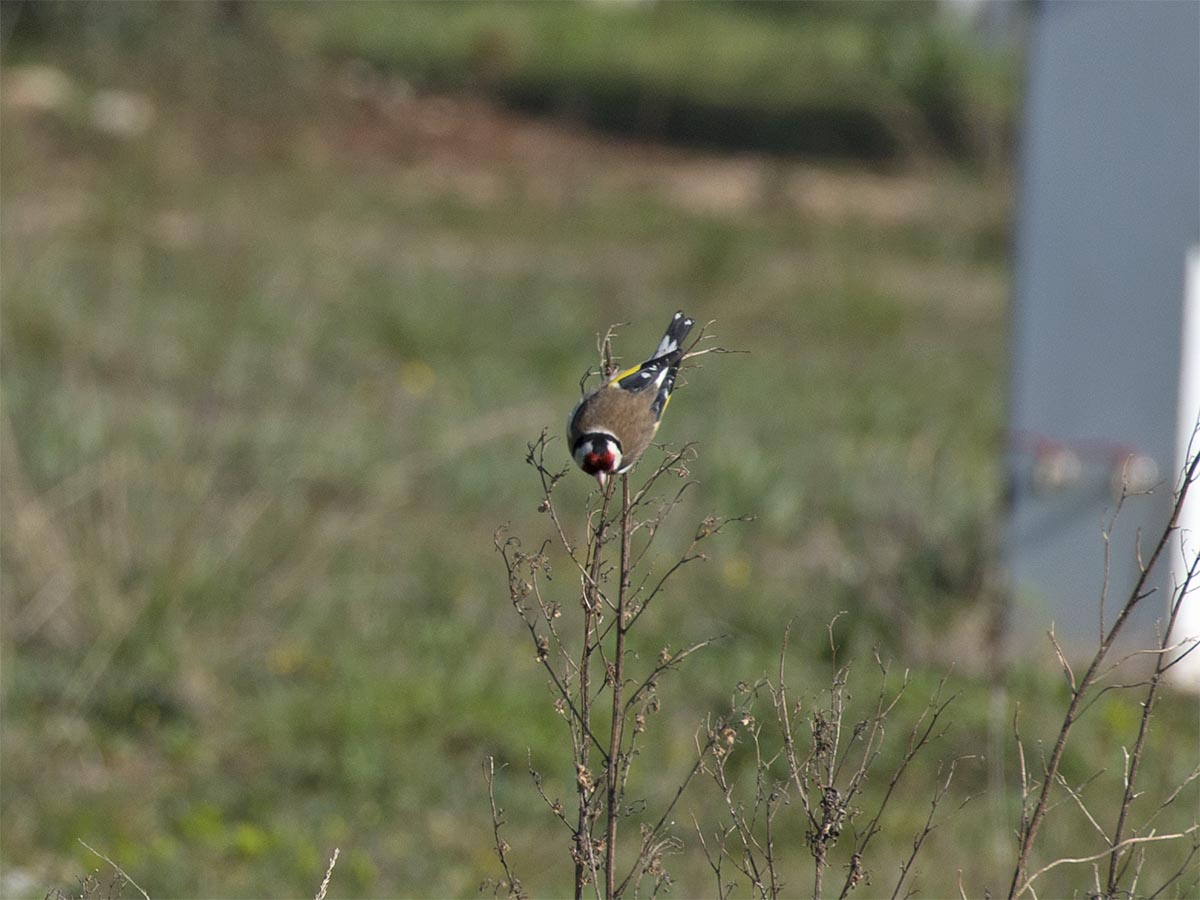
1187 540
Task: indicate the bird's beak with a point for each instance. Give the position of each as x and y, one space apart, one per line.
600 477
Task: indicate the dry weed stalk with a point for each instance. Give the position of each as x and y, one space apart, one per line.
825 772
1124 852
324 888
509 885
580 670
92 888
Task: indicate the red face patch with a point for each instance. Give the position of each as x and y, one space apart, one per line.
598 462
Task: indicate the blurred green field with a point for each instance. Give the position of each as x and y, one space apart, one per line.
873 81
270 362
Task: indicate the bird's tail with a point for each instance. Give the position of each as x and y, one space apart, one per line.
669 354
676 332
660 369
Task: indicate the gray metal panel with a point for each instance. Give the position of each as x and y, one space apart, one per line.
1109 205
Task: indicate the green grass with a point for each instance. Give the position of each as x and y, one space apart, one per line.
269 371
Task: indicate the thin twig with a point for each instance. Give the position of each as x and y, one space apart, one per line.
1139 746
1173 796
329 874
662 820
666 661
918 738
118 869
517 587
1128 842
556 807
514 885
939 794
1136 595
1075 795
1022 770
1062 660
1178 872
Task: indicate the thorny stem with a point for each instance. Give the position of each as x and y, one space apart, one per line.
1019 880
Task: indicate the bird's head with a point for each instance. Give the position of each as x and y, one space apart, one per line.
599 455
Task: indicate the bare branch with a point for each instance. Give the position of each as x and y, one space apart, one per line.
1138 593
1128 842
1160 666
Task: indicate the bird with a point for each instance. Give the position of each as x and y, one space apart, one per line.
611 427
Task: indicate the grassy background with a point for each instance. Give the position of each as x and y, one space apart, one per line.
269 371
880 81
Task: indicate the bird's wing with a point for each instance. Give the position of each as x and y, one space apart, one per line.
644 375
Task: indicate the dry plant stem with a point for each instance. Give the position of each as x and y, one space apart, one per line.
825 791
714 863
116 868
1029 831
571 671
589 570
748 861
594 855
798 770
653 833
670 662
516 585
921 735
591 606
618 716
555 807
789 741
514 886
1160 666
321 891
1076 794
939 793
1128 842
576 700
711 525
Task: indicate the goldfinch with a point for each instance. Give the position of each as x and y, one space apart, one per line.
610 428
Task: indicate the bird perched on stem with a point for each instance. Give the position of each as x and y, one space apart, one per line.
611 427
